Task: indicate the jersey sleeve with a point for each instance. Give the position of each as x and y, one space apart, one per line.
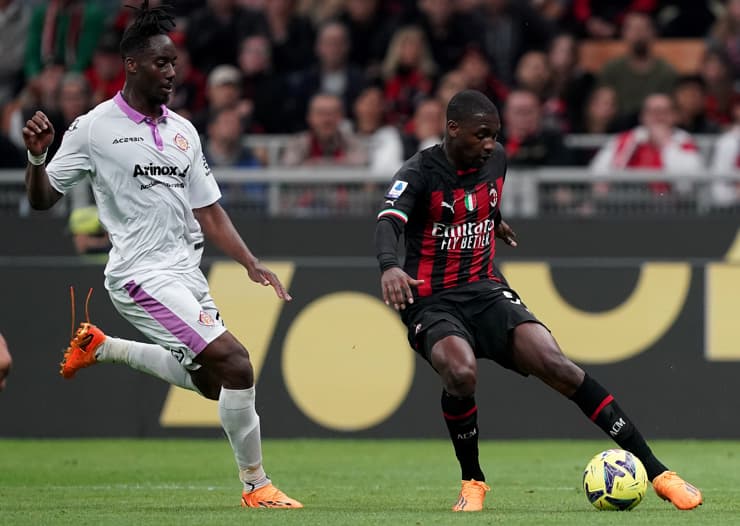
72 162
203 190
401 196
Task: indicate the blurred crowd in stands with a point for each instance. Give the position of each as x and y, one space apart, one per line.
365 82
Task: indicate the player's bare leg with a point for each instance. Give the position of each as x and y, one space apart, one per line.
228 361
535 351
454 360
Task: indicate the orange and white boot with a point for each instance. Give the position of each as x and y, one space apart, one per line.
472 495
680 493
81 350
268 497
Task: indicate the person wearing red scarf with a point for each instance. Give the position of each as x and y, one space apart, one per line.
63 32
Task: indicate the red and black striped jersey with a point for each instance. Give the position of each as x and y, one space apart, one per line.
448 217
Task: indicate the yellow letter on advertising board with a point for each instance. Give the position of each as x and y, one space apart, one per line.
614 335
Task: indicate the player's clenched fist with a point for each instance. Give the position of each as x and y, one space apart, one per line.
38 133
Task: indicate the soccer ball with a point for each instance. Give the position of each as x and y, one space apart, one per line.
615 480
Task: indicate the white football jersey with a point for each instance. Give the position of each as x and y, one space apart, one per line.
147 176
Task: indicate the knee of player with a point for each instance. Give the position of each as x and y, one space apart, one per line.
462 379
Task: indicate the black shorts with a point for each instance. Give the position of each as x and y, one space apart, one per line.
482 316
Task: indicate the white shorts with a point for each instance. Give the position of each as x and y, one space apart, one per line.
174 311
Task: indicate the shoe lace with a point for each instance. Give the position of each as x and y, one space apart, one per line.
474 488
87 304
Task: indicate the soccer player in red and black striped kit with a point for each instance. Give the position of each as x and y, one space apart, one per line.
459 308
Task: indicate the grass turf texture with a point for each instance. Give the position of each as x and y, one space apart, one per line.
192 482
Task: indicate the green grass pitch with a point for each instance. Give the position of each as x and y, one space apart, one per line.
347 482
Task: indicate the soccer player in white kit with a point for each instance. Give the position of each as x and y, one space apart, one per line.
157 198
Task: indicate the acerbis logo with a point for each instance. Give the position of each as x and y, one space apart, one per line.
120 140
152 169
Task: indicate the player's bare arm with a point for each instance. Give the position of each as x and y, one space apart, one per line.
219 229
5 362
504 232
38 134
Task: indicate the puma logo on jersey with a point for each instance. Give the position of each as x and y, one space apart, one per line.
448 205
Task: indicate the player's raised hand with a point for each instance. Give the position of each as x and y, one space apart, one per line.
38 133
396 285
505 232
261 274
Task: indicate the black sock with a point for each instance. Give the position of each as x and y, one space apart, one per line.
461 417
598 405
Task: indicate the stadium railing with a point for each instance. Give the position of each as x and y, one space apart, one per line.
342 192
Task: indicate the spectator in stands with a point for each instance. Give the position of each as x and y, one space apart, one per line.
106 75
224 147
63 32
189 95
569 85
320 11
11 156
333 74
526 142
509 29
42 92
717 75
214 32
656 144
639 72
451 83
223 90
5 362
533 74
476 70
260 85
325 142
426 128
291 35
385 150
447 30
604 18
725 35
224 142
14 18
556 12
370 32
601 112
684 18
598 118
690 96
408 71
726 160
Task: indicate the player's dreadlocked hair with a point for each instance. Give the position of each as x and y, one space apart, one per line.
148 22
464 104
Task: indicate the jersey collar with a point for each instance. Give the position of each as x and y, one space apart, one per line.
138 118
135 115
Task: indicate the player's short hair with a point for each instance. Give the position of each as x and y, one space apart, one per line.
464 104
148 22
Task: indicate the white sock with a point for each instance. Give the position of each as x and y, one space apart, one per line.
147 358
242 425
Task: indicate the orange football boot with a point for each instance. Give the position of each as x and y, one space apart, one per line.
680 493
268 497
472 494
81 350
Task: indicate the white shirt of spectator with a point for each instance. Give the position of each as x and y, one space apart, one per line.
726 160
680 155
147 176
